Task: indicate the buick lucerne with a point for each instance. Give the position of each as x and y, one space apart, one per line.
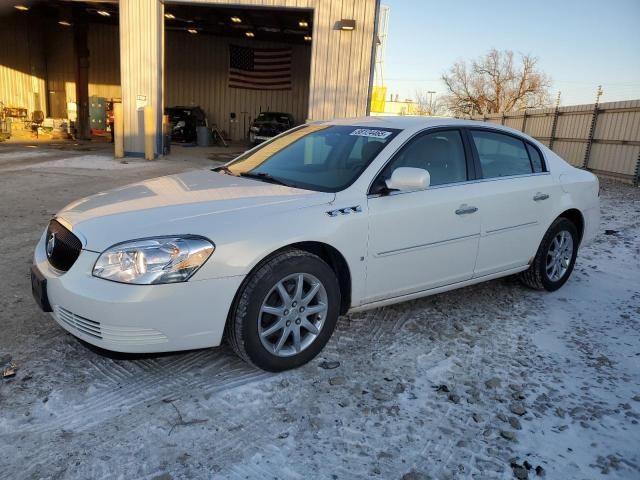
270 249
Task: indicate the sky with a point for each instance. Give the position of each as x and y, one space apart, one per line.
579 44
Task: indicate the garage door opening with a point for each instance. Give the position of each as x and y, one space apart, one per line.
227 66
60 68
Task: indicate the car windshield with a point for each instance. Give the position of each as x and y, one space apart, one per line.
321 157
272 117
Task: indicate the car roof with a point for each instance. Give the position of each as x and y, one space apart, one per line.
416 123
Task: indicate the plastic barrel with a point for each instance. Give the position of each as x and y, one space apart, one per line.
204 137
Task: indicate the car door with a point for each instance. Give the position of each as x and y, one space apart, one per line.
423 239
514 199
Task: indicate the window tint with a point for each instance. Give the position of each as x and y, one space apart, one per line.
536 159
440 153
501 155
322 157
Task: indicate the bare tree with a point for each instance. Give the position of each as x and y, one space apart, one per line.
496 83
429 104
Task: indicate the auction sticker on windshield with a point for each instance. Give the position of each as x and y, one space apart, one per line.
365 132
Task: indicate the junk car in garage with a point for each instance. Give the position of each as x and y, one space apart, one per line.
269 124
270 249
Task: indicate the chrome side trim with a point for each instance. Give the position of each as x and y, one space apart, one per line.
426 245
512 227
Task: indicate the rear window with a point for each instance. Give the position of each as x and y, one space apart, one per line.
501 155
536 159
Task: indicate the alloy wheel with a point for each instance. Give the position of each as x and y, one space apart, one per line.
292 314
559 256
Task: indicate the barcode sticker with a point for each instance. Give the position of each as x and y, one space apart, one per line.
365 132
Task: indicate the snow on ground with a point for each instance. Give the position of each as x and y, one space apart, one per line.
476 383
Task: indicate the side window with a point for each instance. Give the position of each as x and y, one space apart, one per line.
501 155
536 159
440 153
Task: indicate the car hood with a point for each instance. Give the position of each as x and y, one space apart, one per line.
196 202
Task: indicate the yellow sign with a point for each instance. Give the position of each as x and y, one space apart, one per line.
378 97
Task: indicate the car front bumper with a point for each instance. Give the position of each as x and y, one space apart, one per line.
136 318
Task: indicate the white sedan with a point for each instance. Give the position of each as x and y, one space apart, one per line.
328 218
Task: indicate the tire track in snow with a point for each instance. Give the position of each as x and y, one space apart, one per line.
159 381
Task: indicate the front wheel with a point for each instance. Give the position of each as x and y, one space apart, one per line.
285 312
555 259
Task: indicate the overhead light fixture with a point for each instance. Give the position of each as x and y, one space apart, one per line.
170 16
307 38
104 13
64 23
249 34
303 24
192 30
347 24
236 19
22 8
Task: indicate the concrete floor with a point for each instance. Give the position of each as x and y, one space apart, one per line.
467 384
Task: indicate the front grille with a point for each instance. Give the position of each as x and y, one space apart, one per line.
63 247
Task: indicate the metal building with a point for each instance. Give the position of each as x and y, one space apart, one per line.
55 55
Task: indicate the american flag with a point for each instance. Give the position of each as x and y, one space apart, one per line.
259 69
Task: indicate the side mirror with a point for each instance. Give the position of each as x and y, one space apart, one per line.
407 179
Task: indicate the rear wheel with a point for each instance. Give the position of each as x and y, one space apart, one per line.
285 312
555 259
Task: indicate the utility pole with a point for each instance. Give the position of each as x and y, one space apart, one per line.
430 92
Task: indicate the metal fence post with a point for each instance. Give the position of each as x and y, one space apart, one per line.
502 121
636 176
554 123
524 121
592 129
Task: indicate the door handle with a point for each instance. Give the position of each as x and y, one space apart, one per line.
466 209
540 196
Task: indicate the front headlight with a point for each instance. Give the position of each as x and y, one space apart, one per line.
154 260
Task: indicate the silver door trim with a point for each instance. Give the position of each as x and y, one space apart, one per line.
425 245
512 227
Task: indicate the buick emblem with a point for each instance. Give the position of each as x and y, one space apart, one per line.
51 243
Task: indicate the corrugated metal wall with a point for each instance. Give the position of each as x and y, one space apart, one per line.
196 74
22 65
614 143
104 65
340 63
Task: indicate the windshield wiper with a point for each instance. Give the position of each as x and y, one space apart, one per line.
263 176
222 168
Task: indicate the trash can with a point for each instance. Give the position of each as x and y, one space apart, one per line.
204 136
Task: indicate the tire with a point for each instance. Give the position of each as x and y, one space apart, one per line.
538 275
248 325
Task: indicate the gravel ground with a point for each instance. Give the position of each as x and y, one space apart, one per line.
491 381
